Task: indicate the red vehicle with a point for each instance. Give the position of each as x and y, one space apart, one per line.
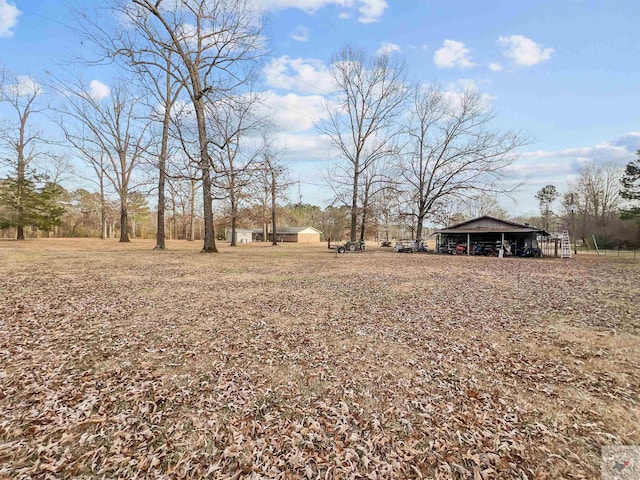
460 249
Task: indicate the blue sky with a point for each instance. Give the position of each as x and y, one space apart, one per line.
566 72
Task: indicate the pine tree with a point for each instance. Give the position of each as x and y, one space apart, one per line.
631 180
30 201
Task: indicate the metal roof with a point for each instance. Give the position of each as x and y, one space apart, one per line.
289 230
495 225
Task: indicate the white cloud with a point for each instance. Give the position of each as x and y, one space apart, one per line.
631 141
303 75
601 152
25 86
561 165
388 48
300 34
9 14
454 92
453 54
495 66
98 90
294 113
369 10
524 51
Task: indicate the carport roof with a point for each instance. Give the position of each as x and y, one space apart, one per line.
487 224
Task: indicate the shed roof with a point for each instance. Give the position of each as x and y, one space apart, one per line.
290 230
487 224
285 230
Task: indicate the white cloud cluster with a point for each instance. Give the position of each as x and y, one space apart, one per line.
302 75
601 152
369 10
300 34
292 112
388 48
524 51
453 54
24 86
9 14
98 90
549 166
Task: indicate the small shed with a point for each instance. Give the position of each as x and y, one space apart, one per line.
297 234
242 235
488 234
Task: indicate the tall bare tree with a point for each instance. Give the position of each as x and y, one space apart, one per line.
452 150
213 46
111 134
370 93
596 197
166 91
234 164
20 143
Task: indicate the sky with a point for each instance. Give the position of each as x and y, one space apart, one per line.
564 72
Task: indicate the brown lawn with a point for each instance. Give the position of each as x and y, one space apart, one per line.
117 361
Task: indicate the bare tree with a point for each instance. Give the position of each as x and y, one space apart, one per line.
213 44
596 196
268 184
166 91
360 118
482 204
234 164
20 143
110 136
452 150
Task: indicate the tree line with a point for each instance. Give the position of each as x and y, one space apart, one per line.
184 125
602 202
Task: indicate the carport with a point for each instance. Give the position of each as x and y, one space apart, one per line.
488 234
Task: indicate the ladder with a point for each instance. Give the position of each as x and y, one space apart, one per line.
565 246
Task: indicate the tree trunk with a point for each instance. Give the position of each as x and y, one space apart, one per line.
20 178
160 225
354 206
124 237
160 233
234 214
274 240
103 209
363 223
192 213
419 226
205 166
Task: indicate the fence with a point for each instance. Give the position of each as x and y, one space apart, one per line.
551 248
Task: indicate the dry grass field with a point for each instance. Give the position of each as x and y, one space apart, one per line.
117 361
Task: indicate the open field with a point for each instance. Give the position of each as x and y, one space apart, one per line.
292 362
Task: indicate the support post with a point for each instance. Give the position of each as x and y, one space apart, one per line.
468 243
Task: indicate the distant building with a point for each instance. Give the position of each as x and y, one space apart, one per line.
291 235
242 235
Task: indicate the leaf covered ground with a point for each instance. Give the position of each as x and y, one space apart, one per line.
292 362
